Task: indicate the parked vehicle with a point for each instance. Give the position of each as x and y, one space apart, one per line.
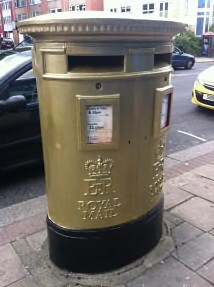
27 42
6 43
182 60
203 89
25 45
20 141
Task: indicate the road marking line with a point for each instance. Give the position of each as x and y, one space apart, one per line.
201 139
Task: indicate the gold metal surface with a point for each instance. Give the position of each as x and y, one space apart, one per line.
99 184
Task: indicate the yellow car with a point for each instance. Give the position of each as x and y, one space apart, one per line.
203 90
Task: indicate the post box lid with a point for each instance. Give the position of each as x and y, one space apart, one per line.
91 23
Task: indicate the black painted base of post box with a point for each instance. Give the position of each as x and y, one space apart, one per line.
102 250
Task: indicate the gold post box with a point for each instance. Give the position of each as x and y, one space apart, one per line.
105 97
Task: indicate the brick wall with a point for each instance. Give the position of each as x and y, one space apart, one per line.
35 10
94 5
54 4
1 21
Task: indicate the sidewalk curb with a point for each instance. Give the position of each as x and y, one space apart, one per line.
189 154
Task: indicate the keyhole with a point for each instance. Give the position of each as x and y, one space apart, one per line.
98 86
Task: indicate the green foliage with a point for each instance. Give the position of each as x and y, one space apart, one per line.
211 29
189 43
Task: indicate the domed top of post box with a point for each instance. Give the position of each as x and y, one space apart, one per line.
99 24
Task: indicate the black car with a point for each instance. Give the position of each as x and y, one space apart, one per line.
20 141
6 43
25 45
182 60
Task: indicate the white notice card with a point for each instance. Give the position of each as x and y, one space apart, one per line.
99 124
165 111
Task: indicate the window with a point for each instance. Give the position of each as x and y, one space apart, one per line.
26 86
19 3
201 3
7 20
164 7
199 27
208 4
126 9
33 2
113 10
148 8
176 51
207 25
34 14
56 10
21 17
78 7
6 5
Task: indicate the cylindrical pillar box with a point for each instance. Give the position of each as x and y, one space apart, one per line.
105 97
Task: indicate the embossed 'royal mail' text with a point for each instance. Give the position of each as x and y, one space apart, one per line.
99 209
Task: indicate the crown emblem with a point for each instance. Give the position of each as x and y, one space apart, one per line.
99 167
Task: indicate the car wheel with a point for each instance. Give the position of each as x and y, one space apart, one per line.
189 64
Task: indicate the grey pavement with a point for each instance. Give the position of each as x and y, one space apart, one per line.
184 257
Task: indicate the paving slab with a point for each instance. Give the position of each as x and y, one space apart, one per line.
184 233
169 223
22 228
173 195
169 162
169 273
200 186
26 282
196 252
193 152
207 271
37 239
164 248
197 211
47 279
183 179
171 219
11 268
22 247
205 171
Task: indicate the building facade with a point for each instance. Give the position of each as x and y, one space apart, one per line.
86 5
197 14
177 10
8 18
1 22
204 19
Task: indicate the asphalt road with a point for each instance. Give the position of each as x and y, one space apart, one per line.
185 117
190 125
